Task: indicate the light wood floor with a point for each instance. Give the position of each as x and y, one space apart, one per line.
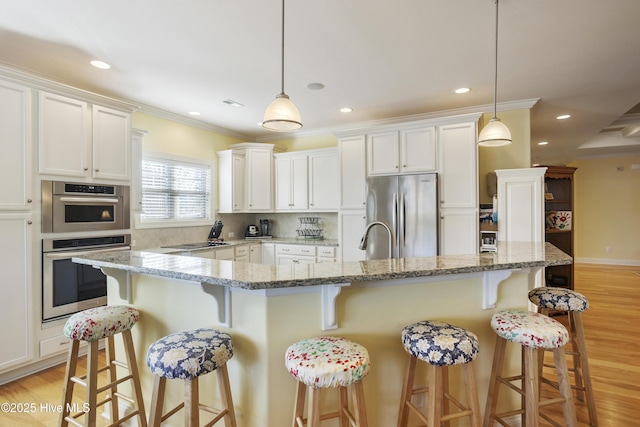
611 325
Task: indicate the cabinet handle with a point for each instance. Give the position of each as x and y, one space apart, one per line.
86 169
397 166
97 170
29 200
310 204
296 261
404 166
29 222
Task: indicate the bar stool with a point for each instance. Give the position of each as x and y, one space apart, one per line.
328 362
91 326
187 355
574 303
532 331
441 345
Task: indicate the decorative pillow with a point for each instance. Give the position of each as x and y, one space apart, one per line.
561 299
327 362
533 330
189 354
100 322
440 343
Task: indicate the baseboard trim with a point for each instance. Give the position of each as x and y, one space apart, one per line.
608 261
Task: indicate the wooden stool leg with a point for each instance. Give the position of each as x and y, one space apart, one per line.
530 386
225 396
343 403
584 365
113 376
133 369
434 410
157 401
191 403
67 391
407 388
92 384
472 392
445 392
298 409
359 406
314 407
565 387
496 371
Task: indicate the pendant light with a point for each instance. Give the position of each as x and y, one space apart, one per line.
282 115
495 133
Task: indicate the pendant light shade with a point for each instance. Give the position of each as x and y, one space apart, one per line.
282 115
495 133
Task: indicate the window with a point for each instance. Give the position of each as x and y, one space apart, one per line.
175 190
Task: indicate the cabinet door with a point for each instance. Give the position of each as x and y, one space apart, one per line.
282 175
16 302
291 182
418 150
63 136
111 144
351 228
259 180
458 166
458 231
225 254
268 252
383 154
323 181
255 253
353 172
16 159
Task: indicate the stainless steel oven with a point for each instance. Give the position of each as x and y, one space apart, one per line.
68 287
70 207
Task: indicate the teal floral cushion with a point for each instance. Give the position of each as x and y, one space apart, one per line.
189 354
533 330
97 323
327 362
439 343
560 299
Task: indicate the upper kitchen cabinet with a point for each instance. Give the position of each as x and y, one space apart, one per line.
291 176
323 180
80 140
407 150
245 178
16 170
353 172
458 165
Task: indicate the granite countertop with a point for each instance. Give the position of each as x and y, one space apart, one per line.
178 248
244 275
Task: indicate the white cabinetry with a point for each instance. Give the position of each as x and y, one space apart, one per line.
231 176
268 252
351 226
291 175
255 253
353 172
323 180
458 192
241 253
82 142
407 150
259 167
303 254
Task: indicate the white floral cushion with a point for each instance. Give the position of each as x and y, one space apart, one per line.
439 343
189 354
533 330
560 299
327 362
100 322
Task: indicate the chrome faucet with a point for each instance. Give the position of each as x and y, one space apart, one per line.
365 238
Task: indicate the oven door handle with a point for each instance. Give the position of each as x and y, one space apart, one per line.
67 254
89 200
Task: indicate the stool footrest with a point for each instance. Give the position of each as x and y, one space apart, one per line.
116 382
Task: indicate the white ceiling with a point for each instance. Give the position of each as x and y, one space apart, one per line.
383 58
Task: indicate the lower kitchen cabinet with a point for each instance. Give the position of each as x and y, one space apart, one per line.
255 253
303 254
458 231
268 253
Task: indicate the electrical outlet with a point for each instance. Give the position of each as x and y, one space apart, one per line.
231 234
607 249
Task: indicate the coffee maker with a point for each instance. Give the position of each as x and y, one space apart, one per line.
265 228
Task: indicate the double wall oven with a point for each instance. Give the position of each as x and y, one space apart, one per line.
77 219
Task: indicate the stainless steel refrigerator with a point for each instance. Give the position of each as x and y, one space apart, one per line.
408 205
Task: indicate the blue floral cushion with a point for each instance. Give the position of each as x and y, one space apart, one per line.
530 329
97 323
560 299
189 354
440 343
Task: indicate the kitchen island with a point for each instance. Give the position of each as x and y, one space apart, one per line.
266 308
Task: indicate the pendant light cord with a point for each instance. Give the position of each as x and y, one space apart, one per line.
282 56
495 74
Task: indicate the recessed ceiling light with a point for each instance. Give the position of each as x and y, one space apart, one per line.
194 113
346 109
315 86
100 64
462 90
563 116
232 103
543 142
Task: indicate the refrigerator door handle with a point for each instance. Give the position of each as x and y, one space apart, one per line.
402 227
394 226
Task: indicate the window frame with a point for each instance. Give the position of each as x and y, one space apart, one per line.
172 223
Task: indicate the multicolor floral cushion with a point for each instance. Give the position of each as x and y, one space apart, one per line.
439 343
100 322
560 299
533 330
327 362
189 354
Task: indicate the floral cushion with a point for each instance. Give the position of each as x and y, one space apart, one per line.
100 322
529 329
560 299
439 343
189 354
327 362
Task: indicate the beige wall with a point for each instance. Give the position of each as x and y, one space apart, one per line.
308 142
607 210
